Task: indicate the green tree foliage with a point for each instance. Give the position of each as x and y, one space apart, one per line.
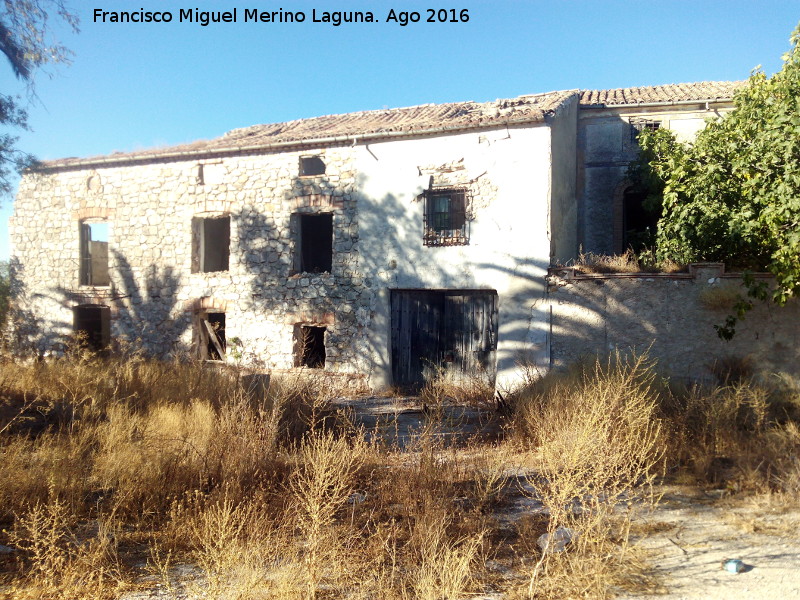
27 41
733 195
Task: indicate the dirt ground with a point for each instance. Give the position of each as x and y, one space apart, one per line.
692 532
688 537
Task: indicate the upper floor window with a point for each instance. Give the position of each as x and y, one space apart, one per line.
94 253
638 125
445 217
311 165
211 239
313 243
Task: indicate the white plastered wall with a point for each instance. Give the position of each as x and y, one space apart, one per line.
508 249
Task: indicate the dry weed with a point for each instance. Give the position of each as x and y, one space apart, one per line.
320 488
60 561
598 443
445 566
627 262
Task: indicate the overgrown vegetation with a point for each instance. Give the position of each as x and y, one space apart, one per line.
644 261
120 474
732 195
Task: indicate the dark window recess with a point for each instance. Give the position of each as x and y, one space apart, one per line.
92 324
311 165
309 343
638 223
445 218
212 336
314 249
94 254
211 244
638 125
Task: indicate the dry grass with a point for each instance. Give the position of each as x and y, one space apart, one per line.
268 493
743 436
627 262
475 390
598 445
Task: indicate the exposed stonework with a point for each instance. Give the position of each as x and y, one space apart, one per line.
154 295
672 316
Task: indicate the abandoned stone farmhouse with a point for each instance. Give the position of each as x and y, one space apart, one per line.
386 244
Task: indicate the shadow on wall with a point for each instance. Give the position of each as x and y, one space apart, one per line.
150 312
673 319
29 334
352 291
525 326
145 315
615 214
375 246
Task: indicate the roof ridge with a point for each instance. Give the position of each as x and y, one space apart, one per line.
665 92
421 119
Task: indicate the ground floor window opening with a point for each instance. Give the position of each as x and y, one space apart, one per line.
309 346
92 325
212 335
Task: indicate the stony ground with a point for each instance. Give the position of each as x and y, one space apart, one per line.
692 532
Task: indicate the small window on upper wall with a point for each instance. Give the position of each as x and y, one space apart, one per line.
94 253
211 240
311 165
637 125
445 218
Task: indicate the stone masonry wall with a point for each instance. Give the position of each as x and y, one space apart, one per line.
154 295
672 315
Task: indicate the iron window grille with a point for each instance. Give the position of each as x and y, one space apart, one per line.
445 218
637 125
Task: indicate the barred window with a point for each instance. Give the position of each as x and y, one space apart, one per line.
638 125
445 218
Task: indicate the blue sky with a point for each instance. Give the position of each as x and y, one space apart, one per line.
134 86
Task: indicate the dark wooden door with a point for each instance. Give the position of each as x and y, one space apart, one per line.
442 330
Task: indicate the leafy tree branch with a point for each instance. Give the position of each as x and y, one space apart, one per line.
733 194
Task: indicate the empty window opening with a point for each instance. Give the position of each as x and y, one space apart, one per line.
212 336
92 325
445 218
638 222
209 174
94 254
309 343
314 250
311 165
637 125
212 240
